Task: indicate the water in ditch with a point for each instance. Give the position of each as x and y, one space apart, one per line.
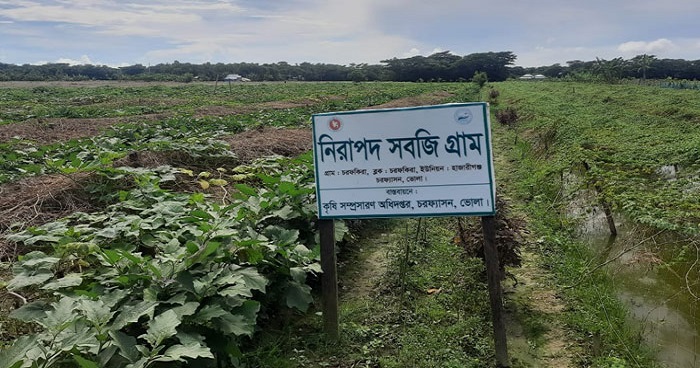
659 285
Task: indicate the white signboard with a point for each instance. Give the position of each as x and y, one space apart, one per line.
422 161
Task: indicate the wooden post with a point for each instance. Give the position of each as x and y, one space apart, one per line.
603 203
493 275
329 279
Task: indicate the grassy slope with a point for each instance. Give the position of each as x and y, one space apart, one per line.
625 133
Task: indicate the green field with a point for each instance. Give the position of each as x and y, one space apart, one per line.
174 225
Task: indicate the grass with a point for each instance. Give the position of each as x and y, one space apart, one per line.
429 309
594 314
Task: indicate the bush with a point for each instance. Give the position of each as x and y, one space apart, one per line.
507 116
480 78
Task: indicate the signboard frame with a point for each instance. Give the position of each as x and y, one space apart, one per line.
479 138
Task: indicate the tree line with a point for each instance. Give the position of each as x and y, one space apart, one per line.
441 66
639 67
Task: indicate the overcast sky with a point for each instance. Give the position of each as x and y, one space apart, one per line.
539 32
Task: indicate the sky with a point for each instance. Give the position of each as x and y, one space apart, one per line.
538 32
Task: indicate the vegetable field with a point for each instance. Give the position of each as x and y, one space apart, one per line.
143 225
174 225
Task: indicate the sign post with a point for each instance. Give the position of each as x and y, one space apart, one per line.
493 278
407 162
329 279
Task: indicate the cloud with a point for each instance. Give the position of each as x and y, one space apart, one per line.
335 31
660 45
84 60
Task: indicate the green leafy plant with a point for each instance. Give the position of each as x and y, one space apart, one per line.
163 276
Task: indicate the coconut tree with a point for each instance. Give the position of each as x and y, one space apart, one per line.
643 63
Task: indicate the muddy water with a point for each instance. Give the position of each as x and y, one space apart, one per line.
658 288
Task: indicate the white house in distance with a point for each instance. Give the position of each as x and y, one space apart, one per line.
236 78
530 76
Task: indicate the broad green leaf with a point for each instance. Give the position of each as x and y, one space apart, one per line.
209 312
113 297
192 247
201 215
186 309
298 296
197 198
242 321
179 299
340 230
161 327
14 356
314 268
96 312
286 187
246 189
202 254
106 354
32 312
253 279
85 363
108 233
141 363
285 213
131 314
24 280
237 290
186 281
302 250
38 259
62 315
45 238
126 344
111 256
178 352
298 274
281 235
70 280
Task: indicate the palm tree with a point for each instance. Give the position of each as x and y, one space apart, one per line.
643 63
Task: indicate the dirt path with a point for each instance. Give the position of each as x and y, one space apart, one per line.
536 333
365 274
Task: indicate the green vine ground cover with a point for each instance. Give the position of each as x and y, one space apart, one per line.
630 137
627 135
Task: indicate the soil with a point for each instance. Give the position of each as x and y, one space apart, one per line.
532 296
364 275
420 100
54 130
266 141
38 200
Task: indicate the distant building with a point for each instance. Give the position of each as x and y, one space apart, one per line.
235 78
530 76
